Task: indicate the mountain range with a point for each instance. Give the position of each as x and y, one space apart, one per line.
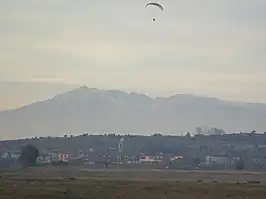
85 110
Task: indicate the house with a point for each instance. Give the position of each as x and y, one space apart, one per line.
220 160
151 159
176 158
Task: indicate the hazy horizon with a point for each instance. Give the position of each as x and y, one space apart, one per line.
51 90
87 110
208 48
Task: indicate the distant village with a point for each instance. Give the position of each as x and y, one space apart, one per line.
199 151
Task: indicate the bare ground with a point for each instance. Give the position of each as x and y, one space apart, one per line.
130 184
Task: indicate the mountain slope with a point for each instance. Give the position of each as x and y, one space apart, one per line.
92 110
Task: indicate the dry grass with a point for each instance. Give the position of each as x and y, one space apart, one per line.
36 184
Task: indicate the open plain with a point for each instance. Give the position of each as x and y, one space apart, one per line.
130 184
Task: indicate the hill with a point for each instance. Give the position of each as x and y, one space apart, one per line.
97 111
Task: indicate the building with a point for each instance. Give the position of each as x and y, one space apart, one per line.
121 145
220 160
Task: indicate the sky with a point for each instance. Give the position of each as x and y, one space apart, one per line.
208 47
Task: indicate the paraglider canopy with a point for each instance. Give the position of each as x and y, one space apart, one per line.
154 4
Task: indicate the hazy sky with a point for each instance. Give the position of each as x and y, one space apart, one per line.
207 47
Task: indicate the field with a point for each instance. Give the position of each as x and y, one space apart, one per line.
130 184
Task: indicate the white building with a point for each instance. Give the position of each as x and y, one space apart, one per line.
121 145
219 159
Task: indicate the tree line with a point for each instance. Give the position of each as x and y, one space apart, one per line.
137 143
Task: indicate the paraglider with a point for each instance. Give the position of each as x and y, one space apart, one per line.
156 5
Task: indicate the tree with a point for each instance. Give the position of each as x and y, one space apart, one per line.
157 134
240 165
188 135
29 155
196 161
216 131
199 131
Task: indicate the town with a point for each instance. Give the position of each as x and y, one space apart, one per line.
216 150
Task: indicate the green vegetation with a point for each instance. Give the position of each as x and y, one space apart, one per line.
150 144
213 152
240 165
29 155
